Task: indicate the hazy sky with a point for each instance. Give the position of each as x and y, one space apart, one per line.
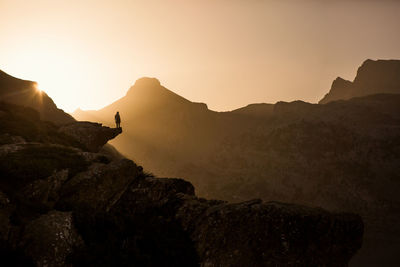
226 53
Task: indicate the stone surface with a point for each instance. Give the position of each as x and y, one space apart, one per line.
92 135
99 187
250 233
49 239
46 191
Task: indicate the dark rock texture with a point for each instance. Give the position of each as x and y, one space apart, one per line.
92 135
250 233
49 239
373 77
100 186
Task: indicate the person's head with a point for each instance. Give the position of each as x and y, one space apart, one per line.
117 112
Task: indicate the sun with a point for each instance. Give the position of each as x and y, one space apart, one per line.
58 70
37 88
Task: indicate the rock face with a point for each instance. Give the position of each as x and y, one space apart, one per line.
99 187
251 233
25 93
49 239
373 77
92 135
65 205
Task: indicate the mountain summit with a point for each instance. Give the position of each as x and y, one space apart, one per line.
373 77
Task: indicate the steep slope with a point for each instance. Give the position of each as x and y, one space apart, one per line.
157 120
373 77
344 155
65 201
25 93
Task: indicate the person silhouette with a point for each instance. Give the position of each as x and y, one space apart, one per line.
118 120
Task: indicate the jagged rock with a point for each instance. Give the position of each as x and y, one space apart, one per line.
26 164
49 239
271 234
46 191
92 135
250 233
150 193
340 89
99 187
373 77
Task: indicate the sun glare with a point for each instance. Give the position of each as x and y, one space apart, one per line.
57 69
38 90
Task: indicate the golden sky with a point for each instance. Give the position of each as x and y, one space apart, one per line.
226 53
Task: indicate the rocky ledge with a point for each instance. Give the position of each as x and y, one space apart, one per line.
92 135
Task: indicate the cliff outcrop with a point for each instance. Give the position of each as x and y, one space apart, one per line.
92 135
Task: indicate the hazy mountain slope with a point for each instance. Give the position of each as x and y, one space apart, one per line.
65 201
25 93
162 125
373 77
344 155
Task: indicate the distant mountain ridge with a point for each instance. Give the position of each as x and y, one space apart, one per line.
25 93
342 155
373 77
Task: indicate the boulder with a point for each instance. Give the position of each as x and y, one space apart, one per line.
250 233
99 187
92 135
49 239
46 191
253 233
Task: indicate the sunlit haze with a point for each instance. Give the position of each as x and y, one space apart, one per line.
225 53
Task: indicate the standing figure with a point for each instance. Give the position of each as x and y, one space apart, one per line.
118 120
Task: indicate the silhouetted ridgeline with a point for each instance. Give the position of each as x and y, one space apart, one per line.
65 199
25 93
343 155
373 77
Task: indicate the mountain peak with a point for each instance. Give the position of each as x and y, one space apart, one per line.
146 87
149 92
373 77
147 81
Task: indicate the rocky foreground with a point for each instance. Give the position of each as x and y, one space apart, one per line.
67 200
